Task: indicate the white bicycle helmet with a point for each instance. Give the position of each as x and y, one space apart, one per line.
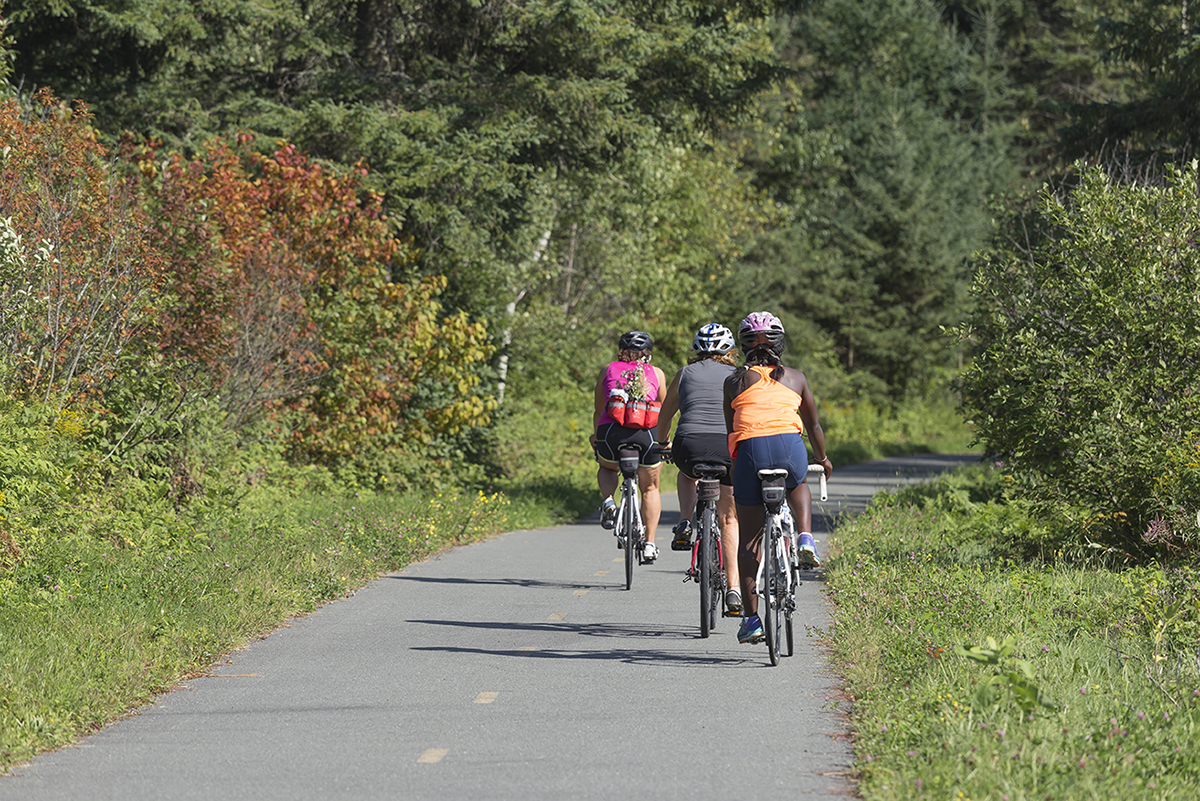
713 339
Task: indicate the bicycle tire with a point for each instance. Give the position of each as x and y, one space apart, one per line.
716 573
704 560
788 604
629 526
768 612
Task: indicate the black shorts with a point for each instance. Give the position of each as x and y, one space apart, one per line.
693 449
610 437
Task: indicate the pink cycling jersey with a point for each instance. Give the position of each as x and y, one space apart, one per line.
613 377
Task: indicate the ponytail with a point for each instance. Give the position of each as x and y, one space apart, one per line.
760 356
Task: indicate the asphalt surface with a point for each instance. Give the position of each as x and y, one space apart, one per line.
518 668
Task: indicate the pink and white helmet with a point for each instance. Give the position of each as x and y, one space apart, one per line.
761 328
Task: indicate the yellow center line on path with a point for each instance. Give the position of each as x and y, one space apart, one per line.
581 592
486 698
526 648
619 559
600 573
433 755
557 616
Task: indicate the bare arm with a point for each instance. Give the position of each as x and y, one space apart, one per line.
599 403
808 415
669 408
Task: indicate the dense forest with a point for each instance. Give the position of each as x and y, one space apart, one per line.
397 238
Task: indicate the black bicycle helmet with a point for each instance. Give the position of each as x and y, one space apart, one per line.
635 340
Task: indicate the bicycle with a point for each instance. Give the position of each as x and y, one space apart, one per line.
631 532
708 564
778 569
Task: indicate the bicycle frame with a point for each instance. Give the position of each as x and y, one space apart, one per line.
774 582
629 512
708 563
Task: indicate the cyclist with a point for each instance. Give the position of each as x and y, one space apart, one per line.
696 393
767 409
633 358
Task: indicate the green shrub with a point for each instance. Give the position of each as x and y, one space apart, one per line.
1088 347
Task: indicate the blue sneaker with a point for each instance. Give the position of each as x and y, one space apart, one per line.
807 554
751 630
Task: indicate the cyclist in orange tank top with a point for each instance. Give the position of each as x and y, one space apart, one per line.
767 409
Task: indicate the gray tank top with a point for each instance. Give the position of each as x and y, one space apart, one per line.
701 398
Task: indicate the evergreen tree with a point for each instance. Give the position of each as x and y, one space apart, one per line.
879 261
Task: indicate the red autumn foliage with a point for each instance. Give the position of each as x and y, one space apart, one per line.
281 285
258 243
80 276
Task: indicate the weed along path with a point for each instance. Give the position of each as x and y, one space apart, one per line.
518 668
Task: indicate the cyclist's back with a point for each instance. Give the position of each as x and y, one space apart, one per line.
767 409
700 398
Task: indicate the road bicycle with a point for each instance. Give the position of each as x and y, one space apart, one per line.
708 564
631 532
778 568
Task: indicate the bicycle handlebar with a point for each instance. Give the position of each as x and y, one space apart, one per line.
816 468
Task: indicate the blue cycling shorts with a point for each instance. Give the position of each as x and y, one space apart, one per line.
777 451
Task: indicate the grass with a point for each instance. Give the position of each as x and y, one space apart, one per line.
1060 673
92 629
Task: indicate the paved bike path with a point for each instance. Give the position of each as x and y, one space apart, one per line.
518 668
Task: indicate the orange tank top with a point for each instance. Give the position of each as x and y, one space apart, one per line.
764 409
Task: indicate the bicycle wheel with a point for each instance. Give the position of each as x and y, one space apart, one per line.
716 573
771 605
789 605
706 558
767 611
630 533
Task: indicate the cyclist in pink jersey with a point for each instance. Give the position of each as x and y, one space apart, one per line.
632 366
767 409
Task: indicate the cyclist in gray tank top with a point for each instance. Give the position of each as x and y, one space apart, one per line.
701 409
696 393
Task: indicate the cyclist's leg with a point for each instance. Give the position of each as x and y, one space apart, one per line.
686 489
750 518
609 479
608 475
651 499
800 501
729 537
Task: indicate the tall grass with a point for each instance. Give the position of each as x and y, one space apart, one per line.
984 660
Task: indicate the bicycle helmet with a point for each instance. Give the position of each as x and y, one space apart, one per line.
635 340
713 339
760 326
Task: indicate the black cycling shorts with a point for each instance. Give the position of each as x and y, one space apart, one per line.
610 437
693 449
